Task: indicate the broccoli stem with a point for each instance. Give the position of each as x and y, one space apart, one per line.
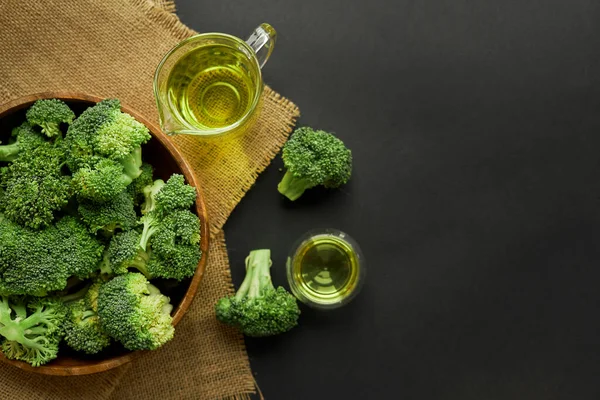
150 223
167 309
152 290
9 152
292 187
20 310
140 262
14 329
132 164
263 276
88 314
36 330
243 290
50 129
259 263
105 268
75 296
150 192
16 333
11 332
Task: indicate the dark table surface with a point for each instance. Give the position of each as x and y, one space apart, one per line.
475 129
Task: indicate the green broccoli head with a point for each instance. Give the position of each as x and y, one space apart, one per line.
82 328
30 330
76 248
35 187
116 213
32 201
259 309
314 158
104 132
37 262
134 312
161 199
102 182
124 252
49 114
175 195
174 251
120 137
24 138
175 246
275 312
81 133
27 137
29 266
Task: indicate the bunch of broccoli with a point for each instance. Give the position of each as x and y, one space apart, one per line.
79 213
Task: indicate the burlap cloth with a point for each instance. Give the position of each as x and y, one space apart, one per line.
111 48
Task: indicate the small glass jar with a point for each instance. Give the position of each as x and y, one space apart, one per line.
326 269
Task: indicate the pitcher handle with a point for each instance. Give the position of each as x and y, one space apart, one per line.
262 41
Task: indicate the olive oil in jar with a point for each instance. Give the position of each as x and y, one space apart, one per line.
213 86
326 269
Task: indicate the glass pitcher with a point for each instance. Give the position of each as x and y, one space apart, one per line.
211 84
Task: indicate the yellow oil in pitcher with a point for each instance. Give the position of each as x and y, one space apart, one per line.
213 86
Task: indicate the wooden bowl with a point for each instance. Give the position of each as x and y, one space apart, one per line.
166 159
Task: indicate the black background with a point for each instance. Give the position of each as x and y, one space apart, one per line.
475 129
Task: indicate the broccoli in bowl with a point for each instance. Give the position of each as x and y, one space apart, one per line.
71 181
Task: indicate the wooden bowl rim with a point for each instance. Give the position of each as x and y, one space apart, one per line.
105 365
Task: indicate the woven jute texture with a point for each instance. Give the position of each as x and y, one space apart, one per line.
110 48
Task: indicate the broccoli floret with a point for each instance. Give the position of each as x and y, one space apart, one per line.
132 164
175 195
124 252
82 326
79 139
31 330
136 188
258 309
173 253
117 213
76 248
37 262
82 329
104 132
175 250
314 158
35 187
120 137
161 199
134 312
24 138
49 114
102 182
149 193
29 267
